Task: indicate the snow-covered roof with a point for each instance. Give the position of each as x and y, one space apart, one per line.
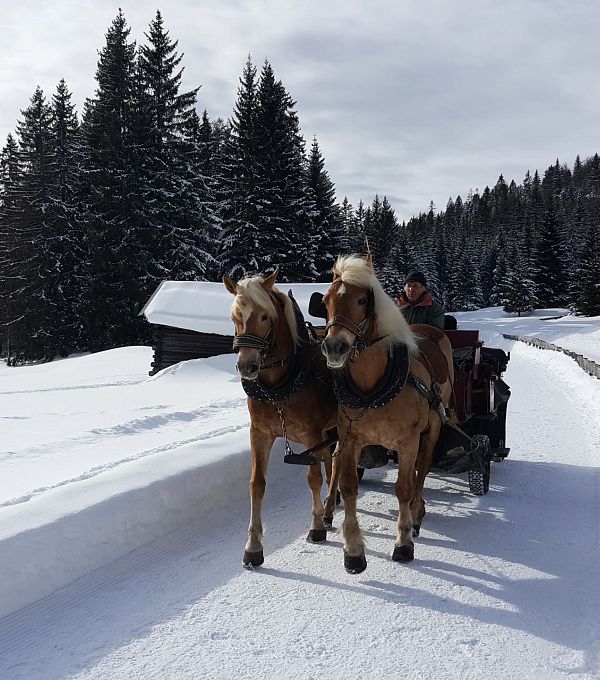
205 307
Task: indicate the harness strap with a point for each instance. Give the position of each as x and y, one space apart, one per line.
433 399
252 342
357 329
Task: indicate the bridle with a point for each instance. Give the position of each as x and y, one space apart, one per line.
266 346
358 330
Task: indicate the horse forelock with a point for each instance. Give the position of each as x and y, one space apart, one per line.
251 295
355 271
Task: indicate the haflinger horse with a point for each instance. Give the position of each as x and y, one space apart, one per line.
277 364
387 397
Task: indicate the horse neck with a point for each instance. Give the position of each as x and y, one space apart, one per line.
283 344
370 365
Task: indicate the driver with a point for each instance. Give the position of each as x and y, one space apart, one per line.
417 304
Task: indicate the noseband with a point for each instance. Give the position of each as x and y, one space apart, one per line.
253 341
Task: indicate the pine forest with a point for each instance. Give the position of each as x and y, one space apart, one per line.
98 207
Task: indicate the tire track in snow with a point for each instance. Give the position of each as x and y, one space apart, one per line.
69 388
129 428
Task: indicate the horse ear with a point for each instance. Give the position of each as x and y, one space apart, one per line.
369 259
230 284
269 282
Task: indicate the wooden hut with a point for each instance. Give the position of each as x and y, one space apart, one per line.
191 319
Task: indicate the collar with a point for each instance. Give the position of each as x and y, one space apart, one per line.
425 300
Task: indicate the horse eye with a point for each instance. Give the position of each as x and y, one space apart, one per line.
264 317
362 301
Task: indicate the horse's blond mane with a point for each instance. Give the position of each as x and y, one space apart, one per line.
357 271
251 293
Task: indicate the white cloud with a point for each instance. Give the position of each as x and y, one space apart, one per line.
412 100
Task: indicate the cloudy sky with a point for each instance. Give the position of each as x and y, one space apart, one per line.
418 100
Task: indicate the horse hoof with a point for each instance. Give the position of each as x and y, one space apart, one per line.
328 522
355 564
416 530
253 559
317 535
404 553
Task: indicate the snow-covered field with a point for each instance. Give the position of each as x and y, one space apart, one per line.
123 505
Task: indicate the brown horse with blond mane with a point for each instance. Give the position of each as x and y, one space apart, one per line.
280 373
387 397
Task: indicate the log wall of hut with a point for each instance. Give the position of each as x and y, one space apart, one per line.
172 345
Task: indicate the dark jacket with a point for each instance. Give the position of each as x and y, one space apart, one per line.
424 310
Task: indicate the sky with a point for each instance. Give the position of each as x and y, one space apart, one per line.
417 100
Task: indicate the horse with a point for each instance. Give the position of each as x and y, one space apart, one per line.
289 393
387 396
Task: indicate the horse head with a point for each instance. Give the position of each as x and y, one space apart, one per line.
349 311
357 309
255 314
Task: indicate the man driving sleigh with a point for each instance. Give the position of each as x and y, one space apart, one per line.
417 304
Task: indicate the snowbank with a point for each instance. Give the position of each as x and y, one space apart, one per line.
97 459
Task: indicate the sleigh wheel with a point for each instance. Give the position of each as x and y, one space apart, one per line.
479 476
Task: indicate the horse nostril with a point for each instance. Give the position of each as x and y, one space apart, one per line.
342 346
253 368
335 346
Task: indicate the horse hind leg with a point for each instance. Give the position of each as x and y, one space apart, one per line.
404 550
331 500
261 448
424 462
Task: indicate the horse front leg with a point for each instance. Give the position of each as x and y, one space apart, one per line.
404 550
260 444
355 561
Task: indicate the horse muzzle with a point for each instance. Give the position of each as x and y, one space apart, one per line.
336 350
248 366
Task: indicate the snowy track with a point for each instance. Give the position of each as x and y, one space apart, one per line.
503 586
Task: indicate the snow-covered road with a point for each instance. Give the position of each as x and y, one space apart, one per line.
503 586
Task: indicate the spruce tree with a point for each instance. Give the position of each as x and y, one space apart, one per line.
328 241
549 262
267 210
179 226
519 289
288 209
109 196
585 288
10 178
32 265
242 239
67 239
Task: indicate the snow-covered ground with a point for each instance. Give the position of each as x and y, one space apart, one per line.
123 501
558 326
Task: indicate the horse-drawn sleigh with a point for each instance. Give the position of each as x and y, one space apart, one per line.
414 394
